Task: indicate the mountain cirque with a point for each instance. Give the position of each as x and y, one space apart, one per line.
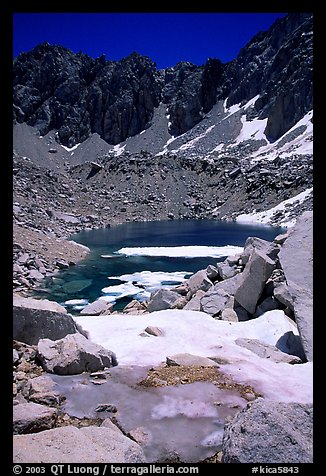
98 143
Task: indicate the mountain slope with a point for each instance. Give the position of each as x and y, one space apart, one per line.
76 96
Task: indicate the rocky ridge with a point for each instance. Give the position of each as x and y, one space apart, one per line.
75 95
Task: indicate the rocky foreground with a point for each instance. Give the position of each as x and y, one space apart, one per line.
263 296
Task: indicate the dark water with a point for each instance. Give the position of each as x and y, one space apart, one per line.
87 279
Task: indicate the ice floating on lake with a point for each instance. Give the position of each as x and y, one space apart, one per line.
183 251
119 291
140 285
151 280
76 304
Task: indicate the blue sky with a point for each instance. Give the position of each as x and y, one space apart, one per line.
166 38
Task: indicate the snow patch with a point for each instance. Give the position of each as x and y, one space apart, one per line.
236 107
119 149
198 333
303 144
69 149
76 304
251 130
266 216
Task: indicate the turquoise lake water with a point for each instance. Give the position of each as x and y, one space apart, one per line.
172 256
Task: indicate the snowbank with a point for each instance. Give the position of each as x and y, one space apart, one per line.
199 334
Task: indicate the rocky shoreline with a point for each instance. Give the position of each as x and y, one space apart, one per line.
264 278
136 187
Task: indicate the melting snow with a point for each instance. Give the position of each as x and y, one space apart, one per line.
266 216
200 334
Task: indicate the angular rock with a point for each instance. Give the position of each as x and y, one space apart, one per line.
154 331
42 390
135 307
35 319
15 356
40 304
31 418
83 445
73 354
194 303
296 259
217 297
199 281
181 289
229 285
180 303
258 244
162 299
257 271
241 313
96 308
233 260
106 407
282 294
226 270
214 302
229 315
270 432
34 274
267 351
279 239
190 360
290 343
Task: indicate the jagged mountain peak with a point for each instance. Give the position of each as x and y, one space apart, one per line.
77 96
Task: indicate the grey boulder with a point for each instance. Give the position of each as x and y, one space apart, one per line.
35 319
266 247
189 360
31 418
83 445
73 354
296 259
199 281
257 271
96 308
267 351
269 432
217 297
162 299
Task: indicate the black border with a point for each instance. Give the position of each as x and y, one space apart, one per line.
6 56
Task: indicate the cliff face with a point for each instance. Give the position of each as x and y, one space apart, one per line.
75 95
